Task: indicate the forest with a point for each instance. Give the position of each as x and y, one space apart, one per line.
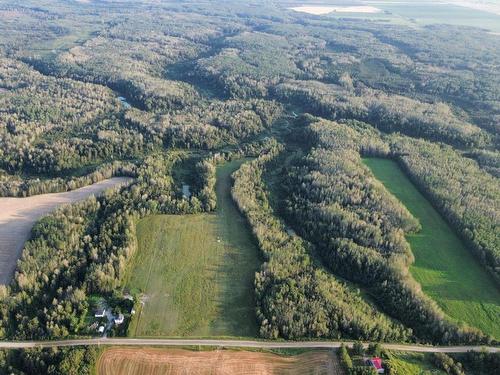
165 92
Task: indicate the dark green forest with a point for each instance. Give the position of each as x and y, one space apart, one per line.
142 89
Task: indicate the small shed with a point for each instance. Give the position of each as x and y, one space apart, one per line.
376 362
119 319
100 313
186 191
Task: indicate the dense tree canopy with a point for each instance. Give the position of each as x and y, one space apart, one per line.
135 88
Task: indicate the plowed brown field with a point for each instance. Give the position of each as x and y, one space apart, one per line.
143 361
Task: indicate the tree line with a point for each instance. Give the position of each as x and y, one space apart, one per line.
296 298
358 229
84 249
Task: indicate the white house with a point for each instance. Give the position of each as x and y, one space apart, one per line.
119 319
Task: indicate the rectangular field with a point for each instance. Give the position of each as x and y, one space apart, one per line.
142 361
446 269
196 272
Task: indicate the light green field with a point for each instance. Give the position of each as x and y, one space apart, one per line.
412 364
423 13
447 271
196 271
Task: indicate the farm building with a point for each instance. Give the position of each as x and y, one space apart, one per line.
376 363
100 313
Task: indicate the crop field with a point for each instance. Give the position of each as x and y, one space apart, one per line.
424 13
445 268
18 215
196 272
132 361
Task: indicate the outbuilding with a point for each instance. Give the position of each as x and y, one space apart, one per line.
376 362
100 313
119 319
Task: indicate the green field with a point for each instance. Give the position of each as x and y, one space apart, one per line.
412 364
447 271
196 271
423 13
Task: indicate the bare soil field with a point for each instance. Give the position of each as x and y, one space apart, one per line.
18 215
142 361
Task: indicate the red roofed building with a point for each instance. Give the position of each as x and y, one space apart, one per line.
376 362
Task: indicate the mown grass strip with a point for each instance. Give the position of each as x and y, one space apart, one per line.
444 267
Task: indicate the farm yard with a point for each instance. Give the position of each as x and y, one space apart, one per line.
196 272
18 215
445 268
132 361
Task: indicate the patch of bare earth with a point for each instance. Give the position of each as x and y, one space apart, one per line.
10 14
149 361
18 215
322 10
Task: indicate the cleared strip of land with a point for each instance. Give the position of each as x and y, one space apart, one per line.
18 215
196 272
145 361
444 267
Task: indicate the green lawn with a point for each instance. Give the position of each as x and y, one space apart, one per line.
196 271
413 364
447 271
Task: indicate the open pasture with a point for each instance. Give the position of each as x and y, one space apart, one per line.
132 361
196 272
445 268
18 215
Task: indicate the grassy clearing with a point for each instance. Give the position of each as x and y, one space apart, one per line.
447 271
412 364
196 271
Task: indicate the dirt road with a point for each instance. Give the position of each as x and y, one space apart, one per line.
235 344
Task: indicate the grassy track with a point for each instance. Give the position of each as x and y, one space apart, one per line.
447 271
196 271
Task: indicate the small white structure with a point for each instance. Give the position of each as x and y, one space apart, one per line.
186 191
119 319
100 313
124 102
100 329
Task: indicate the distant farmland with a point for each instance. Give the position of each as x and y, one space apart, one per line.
444 267
17 216
132 361
196 272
